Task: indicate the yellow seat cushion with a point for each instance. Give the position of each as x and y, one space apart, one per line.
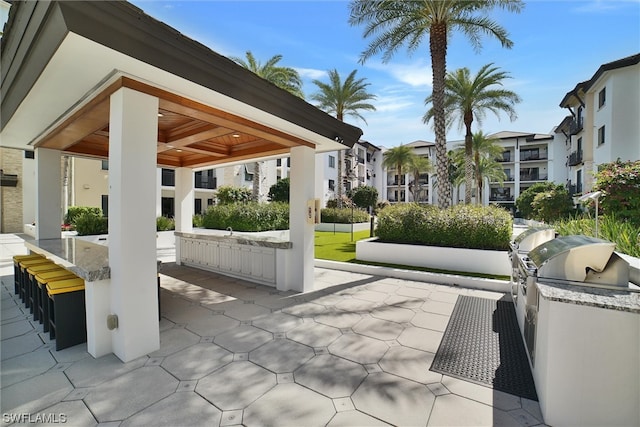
64 286
32 262
41 268
18 258
50 276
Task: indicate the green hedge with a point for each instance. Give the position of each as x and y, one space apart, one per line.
461 226
250 216
343 216
165 224
74 212
89 224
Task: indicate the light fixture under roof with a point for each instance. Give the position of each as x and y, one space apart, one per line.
160 115
179 150
236 135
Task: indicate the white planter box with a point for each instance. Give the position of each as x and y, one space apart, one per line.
453 259
342 228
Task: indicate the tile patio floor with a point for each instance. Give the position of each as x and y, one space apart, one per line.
355 352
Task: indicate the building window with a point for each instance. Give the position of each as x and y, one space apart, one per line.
332 162
197 208
602 96
332 185
29 154
105 204
105 165
168 177
278 162
205 179
601 135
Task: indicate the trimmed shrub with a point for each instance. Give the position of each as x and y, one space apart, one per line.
197 220
250 216
524 203
75 211
279 192
620 183
227 195
333 203
461 226
88 224
552 205
343 216
164 224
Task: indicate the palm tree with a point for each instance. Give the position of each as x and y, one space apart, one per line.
468 98
341 99
398 158
393 24
285 78
418 166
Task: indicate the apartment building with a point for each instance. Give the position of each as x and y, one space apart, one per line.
604 124
402 188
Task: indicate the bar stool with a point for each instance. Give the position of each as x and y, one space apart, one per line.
67 314
16 268
42 279
23 276
32 284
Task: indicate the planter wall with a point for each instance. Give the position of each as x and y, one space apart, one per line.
342 228
453 259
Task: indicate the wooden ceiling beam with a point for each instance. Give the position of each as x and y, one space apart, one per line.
194 163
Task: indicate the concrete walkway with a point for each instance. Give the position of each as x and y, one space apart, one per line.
355 352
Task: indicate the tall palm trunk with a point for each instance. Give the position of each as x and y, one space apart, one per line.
438 49
479 177
255 193
468 158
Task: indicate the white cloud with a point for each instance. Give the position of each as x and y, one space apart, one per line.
417 74
599 6
311 73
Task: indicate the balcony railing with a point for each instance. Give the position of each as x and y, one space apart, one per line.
506 157
575 158
395 182
575 126
530 157
360 159
209 184
500 198
532 177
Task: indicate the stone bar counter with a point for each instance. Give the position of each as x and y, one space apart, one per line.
257 257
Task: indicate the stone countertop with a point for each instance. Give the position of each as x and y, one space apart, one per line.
89 261
611 299
240 239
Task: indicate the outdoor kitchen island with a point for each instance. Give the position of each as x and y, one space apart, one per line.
579 315
257 257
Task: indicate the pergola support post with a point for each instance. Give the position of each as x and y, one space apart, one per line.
48 193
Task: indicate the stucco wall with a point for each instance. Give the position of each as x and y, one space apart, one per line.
11 197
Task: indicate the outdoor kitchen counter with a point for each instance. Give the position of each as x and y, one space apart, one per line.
621 300
87 260
259 239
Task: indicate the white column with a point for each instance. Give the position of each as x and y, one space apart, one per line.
301 231
184 194
319 176
133 131
158 192
48 193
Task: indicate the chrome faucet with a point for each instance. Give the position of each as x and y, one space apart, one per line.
230 230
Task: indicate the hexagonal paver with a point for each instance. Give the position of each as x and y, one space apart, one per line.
306 309
369 295
236 385
406 291
314 334
437 322
395 400
393 314
328 300
338 319
183 311
438 307
331 375
383 285
26 366
359 348
355 418
410 363
197 361
281 355
289 404
421 339
377 328
243 339
456 410
173 410
174 340
278 322
212 325
355 305
33 394
447 297
404 301
275 301
89 372
130 393
247 312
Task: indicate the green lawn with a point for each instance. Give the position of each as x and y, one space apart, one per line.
338 246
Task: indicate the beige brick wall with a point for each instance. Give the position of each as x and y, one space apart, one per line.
11 197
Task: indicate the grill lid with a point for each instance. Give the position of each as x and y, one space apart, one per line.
577 258
532 237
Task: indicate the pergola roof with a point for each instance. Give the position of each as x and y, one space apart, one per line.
63 60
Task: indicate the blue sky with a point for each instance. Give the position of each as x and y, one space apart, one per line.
557 43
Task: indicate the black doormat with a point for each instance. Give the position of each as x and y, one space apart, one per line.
482 344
